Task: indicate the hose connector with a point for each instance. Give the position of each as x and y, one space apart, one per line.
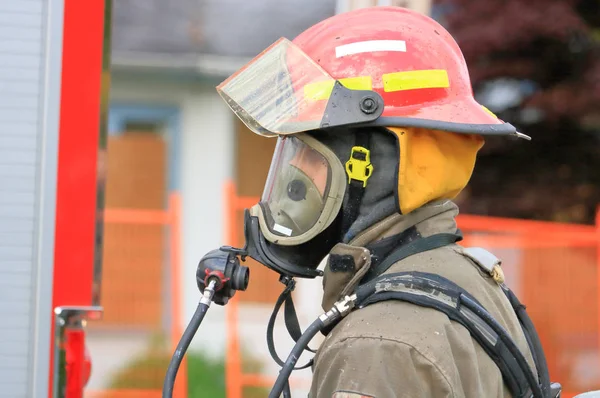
209 292
345 305
339 310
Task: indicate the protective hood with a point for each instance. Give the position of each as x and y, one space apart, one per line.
433 165
411 168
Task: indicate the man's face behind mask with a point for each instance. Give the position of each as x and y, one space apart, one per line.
303 193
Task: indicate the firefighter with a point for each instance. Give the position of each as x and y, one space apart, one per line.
377 132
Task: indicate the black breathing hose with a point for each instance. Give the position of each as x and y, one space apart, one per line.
339 310
288 366
186 339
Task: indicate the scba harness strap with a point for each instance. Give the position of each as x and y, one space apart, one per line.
434 291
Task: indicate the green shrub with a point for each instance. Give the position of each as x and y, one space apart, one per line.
206 376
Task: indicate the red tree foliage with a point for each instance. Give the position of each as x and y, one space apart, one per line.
554 44
551 42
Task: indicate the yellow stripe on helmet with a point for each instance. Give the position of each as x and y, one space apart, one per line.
488 111
322 90
415 79
397 81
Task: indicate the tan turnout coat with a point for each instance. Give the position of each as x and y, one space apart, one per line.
397 349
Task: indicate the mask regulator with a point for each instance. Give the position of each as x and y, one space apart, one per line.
219 275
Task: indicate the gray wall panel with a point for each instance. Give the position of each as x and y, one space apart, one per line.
20 101
16 280
25 33
14 336
43 266
20 21
23 46
24 296
19 210
17 157
14 308
11 74
19 86
16 184
16 391
26 61
16 238
14 294
16 211
11 225
6 379
22 86
15 267
21 6
10 197
22 171
15 253
25 128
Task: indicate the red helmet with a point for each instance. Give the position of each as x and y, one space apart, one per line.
408 61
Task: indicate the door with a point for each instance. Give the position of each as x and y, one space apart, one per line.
253 158
134 252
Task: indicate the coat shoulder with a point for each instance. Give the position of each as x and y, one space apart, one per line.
413 331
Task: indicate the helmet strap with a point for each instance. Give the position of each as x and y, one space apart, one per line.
358 169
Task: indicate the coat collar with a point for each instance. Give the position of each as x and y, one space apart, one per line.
348 263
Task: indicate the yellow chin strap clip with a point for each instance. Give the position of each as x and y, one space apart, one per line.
359 166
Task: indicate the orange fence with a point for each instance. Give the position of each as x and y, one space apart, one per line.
236 380
554 268
140 293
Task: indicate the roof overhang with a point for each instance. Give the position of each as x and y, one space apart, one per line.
200 65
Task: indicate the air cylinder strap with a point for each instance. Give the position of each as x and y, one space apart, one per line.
434 291
416 246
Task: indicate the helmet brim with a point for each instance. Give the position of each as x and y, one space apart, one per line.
463 116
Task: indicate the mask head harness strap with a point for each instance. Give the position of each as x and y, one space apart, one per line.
359 169
291 320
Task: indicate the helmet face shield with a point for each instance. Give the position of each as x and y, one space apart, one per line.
269 99
303 193
283 91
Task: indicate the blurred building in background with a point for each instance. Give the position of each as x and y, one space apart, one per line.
171 134
174 146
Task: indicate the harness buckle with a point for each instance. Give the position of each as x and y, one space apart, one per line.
359 166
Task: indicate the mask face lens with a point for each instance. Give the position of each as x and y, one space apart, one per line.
296 188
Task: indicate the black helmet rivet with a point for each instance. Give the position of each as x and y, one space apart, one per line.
368 105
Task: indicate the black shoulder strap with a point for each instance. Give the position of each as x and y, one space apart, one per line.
488 262
418 245
434 291
533 340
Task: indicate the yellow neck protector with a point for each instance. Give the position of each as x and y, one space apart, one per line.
433 165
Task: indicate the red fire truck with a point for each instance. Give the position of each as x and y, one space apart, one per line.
54 62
